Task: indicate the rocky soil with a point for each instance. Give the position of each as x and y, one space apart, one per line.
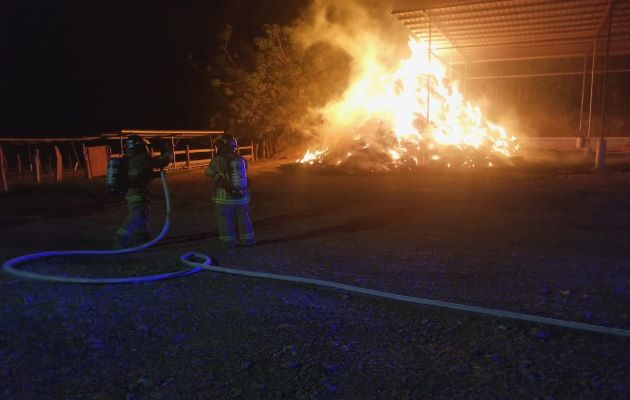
544 239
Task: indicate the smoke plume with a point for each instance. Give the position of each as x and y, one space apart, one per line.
369 34
401 107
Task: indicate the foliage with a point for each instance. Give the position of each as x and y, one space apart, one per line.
275 85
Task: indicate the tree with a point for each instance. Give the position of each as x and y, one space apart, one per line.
275 86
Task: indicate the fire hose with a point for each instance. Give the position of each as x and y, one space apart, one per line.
9 266
205 263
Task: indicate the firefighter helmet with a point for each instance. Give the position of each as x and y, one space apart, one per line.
226 144
136 144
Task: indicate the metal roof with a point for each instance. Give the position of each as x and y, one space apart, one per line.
492 30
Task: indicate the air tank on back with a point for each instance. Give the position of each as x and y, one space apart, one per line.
115 178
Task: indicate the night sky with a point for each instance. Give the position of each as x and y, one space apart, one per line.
84 67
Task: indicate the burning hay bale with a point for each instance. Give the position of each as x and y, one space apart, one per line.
397 115
374 147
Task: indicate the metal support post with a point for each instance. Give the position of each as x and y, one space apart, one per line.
600 159
428 75
590 101
450 66
465 88
580 142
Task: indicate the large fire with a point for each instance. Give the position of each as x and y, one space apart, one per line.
413 116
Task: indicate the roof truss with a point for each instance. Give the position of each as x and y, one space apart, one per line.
479 30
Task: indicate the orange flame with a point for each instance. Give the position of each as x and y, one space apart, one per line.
420 106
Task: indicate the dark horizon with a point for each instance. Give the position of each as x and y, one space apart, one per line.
73 68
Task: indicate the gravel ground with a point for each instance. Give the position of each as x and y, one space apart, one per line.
545 239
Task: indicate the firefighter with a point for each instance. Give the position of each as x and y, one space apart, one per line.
138 173
230 196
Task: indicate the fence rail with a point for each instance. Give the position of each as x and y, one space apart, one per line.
246 152
50 160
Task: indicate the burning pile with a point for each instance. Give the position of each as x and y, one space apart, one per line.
413 116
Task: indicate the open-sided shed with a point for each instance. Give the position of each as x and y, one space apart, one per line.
463 32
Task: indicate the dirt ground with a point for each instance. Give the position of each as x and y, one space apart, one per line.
549 239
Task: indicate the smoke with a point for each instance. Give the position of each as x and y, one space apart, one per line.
375 42
354 26
401 107
500 112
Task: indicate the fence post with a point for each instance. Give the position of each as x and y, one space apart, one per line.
76 155
19 165
58 165
50 162
174 153
37 166
30 159
187 157
3 171
88 170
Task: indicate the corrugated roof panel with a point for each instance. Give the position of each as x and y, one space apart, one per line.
516 28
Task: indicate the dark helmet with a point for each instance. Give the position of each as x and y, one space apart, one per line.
226 144
135 144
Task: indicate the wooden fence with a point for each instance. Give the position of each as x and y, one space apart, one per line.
54 166
189 159
46 162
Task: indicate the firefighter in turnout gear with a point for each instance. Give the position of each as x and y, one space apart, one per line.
138 166
230 197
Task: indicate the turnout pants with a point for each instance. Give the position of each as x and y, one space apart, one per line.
234 223
138 218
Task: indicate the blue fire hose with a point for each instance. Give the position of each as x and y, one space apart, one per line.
205 263
9 266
